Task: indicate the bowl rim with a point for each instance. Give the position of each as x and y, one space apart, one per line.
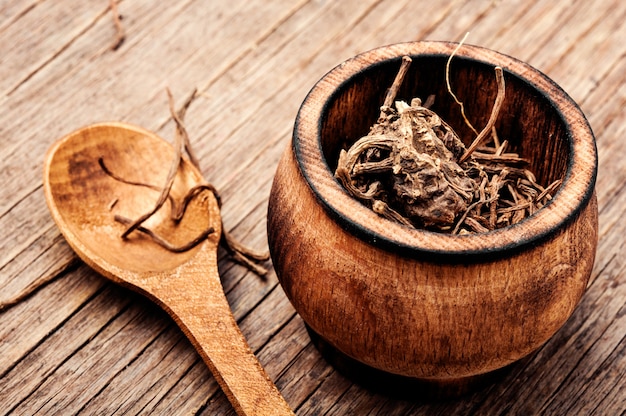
573 196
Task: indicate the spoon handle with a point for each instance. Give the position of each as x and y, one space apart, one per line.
195 299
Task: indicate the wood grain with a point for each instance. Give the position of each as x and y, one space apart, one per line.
186 283
254 63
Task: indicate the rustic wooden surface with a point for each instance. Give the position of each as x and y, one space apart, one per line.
80 344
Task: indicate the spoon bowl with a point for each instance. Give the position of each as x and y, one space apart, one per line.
109 169
86 198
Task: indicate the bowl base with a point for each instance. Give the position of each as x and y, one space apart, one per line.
398 386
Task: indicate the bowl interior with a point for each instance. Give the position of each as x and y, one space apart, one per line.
540 121
528 119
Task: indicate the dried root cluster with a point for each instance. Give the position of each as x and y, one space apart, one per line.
413 168
249 258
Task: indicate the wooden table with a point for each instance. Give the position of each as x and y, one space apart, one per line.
80 344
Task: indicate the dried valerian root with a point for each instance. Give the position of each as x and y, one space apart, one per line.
163 242
413 168
178 150
241 254
238 252
36 285
120 34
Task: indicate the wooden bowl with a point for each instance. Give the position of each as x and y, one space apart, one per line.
425 306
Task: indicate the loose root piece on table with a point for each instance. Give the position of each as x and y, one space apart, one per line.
244 255
120 34
36 285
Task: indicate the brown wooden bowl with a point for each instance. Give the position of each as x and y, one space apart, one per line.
417 304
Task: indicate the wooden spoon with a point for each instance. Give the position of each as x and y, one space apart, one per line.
84 199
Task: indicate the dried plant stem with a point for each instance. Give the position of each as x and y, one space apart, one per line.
397 82
464 216
35 286
413 169
120 35
178 117
163 242
178 149
495 111
244 255
459 102
547 193
384 210
191 194
118 178
238 252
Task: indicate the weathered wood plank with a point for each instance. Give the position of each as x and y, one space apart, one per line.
598 45
102 78
47 257
196 386
305 373
90 369
10 11
170 353
601 370
331 390
40 40
25 377
254 63
530 30
25 325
